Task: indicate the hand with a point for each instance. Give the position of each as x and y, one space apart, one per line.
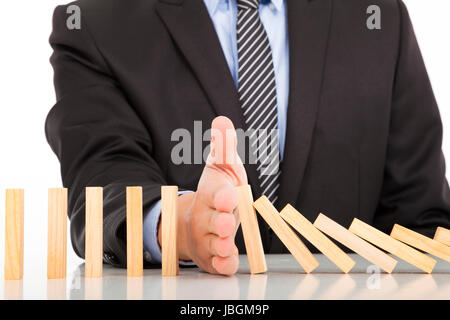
207 219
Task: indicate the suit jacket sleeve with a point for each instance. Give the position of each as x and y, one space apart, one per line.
97 136
415 192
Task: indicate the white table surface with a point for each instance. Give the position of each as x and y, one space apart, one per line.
284 280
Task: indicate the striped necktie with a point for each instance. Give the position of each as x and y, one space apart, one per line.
258 96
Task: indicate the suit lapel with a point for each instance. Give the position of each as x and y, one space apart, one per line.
308 24
191 27
193 31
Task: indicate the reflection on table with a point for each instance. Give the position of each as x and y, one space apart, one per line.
284 280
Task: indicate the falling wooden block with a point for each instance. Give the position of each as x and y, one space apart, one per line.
397 248
135 245
317 238
300 252
57 234
354 243
169 250
250 230
421 242
94 233
443 236
14 234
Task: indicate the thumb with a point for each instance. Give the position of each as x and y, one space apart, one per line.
223 143
223 149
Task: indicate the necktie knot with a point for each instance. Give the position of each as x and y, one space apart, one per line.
248 4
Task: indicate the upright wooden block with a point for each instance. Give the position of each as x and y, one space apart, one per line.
393 246
135 250
317 238
57 234
94 233
250 230
354 243
442 235
14 234
300 252
421 242
169 201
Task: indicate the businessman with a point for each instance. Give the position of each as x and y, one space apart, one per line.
358 131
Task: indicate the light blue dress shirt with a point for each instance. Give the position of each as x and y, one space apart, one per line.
223 13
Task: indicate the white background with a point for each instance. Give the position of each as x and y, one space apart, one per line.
27 94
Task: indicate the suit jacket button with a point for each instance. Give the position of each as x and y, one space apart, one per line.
147 256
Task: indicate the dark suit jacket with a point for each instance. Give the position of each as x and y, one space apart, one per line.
363 130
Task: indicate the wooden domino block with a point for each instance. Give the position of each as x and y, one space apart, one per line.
354 243
317 238
250 230
443 236
169 250
94 233
397 248
421 242
300 252
57 234
14 234
135 245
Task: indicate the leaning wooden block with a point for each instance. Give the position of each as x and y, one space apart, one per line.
393 246
14 234
135 245
300 252
442 235
93 266
57 234
421 242
354 243
250 230
317 238
169 200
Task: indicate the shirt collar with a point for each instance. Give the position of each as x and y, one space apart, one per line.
212 5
